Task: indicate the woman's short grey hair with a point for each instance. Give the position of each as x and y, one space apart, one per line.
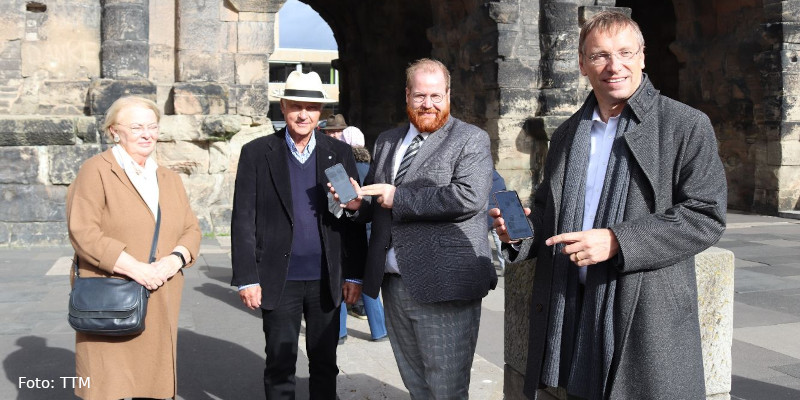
127 101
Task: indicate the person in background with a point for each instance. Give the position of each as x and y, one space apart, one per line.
294 255
112 208
633 188
367 307
334 126
498 184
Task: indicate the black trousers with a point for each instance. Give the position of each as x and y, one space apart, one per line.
310 300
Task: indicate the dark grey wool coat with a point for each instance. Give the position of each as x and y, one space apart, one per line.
675 209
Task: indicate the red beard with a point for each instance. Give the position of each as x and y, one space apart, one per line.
427 125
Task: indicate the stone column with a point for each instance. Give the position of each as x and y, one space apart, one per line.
125 47
125 55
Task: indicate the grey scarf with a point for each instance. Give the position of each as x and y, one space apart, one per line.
580 332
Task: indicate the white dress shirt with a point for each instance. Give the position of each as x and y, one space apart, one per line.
391 256
601 139
143 178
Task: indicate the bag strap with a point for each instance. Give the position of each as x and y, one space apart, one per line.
152 247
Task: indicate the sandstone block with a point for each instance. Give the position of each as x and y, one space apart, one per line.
255 5
21 165
512 73
252 69
503 13
183 157
714 269
180 127
36 131
220 217
103 92
125 59
125 21
5 234
32 203
23 234
219 157
783 153
66 45
205 67
200 98
252 100
63 97
162 64
65 161
255 37
221 127
256 16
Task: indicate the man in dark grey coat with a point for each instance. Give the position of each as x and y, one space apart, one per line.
633 189
429 183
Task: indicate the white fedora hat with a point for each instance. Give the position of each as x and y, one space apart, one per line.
305 87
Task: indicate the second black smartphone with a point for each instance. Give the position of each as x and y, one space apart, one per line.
341 182
513 215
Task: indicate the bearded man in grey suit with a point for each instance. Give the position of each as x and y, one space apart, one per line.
633 188
426 193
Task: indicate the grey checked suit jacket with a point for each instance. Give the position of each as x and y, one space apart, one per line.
438 222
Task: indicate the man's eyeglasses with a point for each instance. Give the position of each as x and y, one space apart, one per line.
139 129
624 56
419 98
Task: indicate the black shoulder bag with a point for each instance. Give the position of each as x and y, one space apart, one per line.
110 306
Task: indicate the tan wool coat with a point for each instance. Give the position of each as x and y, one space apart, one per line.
105 216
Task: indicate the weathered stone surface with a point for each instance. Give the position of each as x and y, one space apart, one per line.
180 127
20 165
125 59
715 272
221 127
252 69
200 98
65 45
63 97
194 66
32 203
65 161
36 131
252 5
24 234
103 92
5 234
252 100
87 129
518 280
219 157
183 157
254 37
784 152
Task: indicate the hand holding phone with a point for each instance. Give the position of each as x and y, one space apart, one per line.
340 181
513 214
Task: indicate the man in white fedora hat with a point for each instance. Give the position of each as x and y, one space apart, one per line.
292 256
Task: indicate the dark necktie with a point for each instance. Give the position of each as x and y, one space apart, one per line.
411 151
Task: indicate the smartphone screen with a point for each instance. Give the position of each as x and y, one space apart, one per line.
341 182
513 215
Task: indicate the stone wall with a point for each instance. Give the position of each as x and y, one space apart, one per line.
513 63
715 271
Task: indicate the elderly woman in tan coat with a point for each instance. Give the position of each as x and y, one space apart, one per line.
111 213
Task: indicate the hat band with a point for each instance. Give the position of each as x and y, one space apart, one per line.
304 93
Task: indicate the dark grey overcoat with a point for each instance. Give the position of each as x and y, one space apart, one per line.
675 209
438 222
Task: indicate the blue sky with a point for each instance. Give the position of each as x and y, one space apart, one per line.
302 28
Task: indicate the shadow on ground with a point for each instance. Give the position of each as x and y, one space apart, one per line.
749 389
33 361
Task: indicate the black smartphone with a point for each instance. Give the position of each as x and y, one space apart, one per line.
338 177
513 214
